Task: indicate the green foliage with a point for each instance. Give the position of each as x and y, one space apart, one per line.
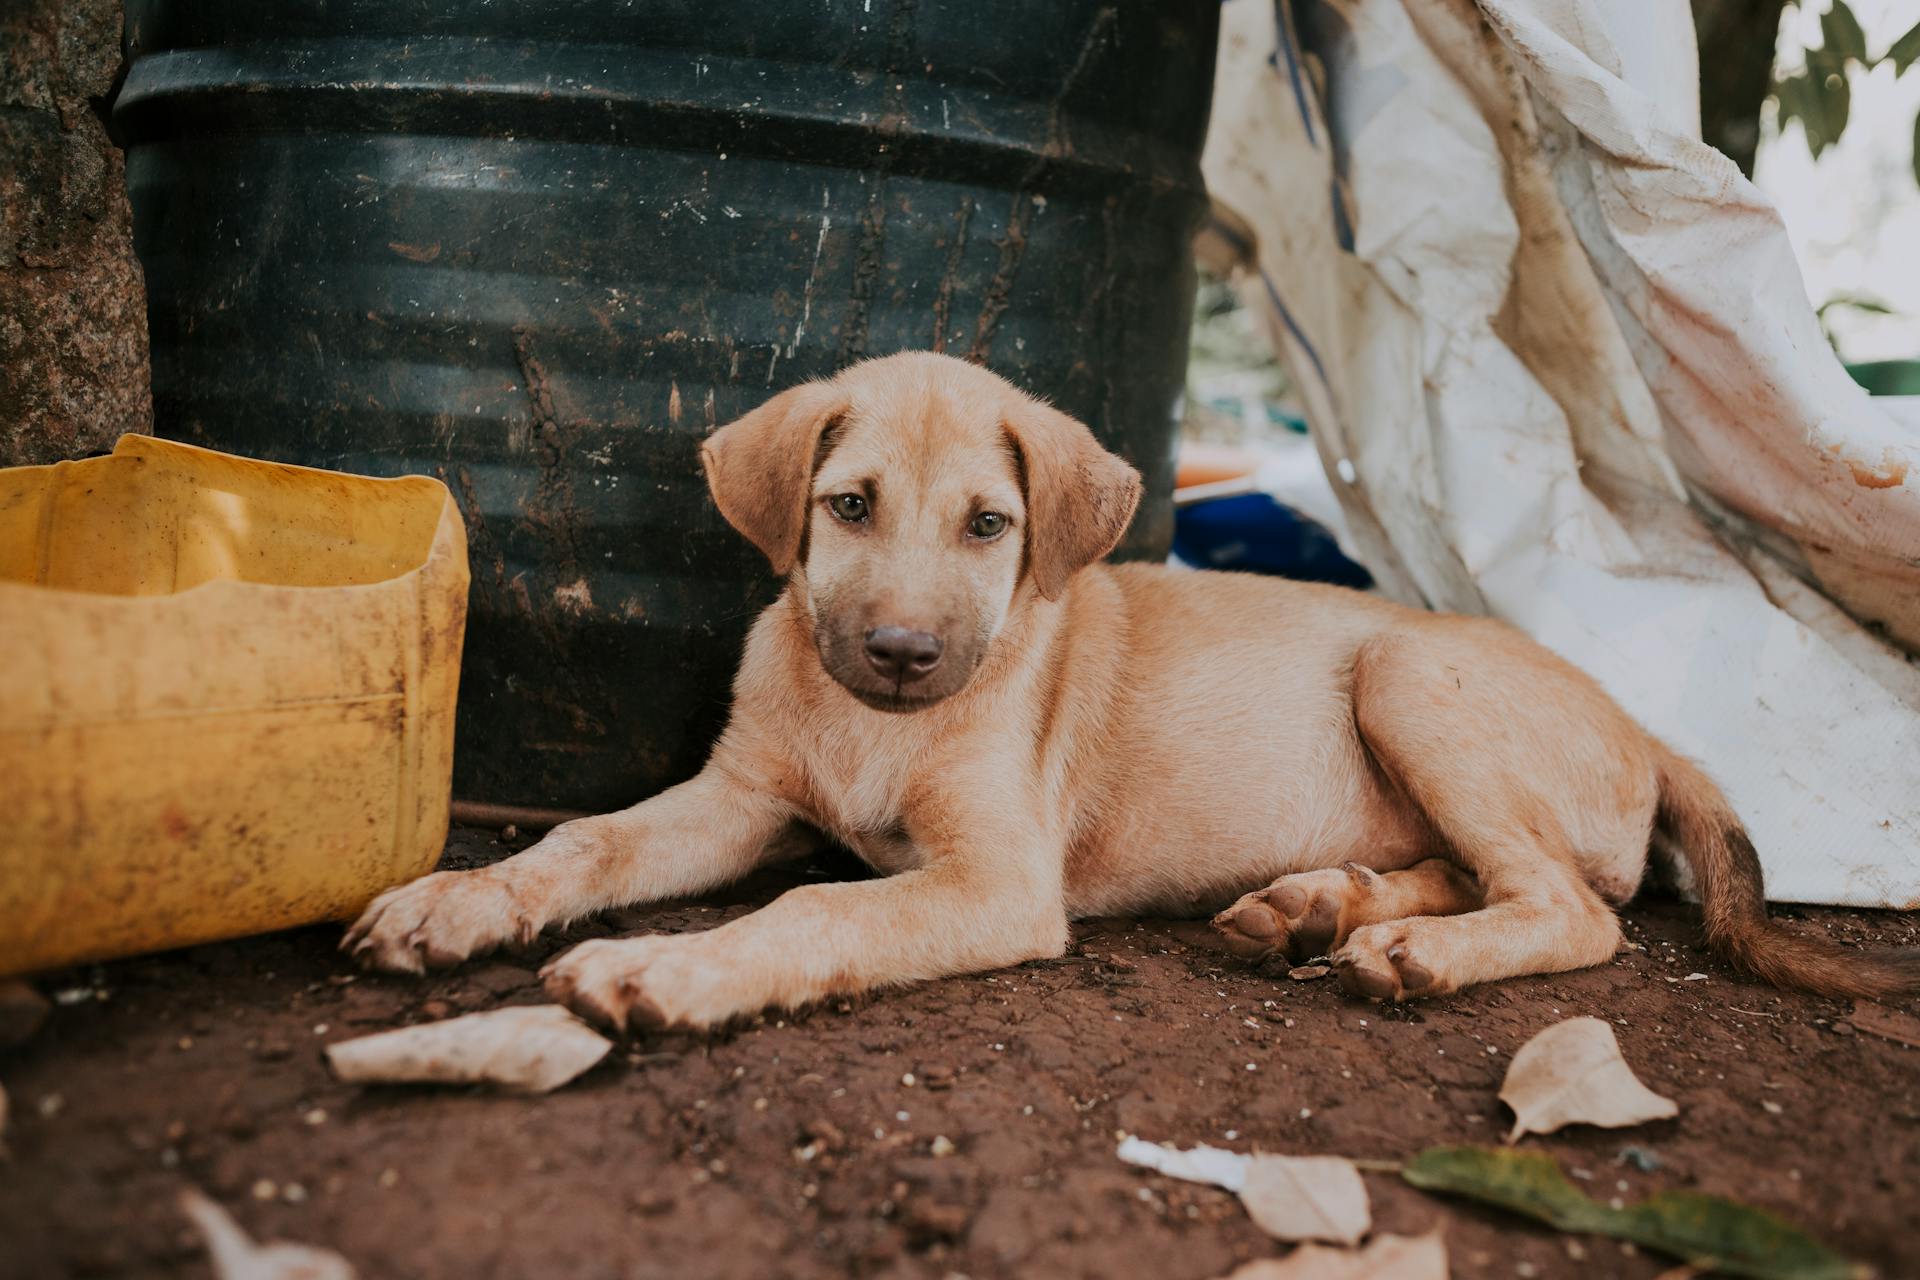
1821 96
1905 51
1842 34
1703 1231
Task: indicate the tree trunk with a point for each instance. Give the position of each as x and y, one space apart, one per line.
1737 41
73 303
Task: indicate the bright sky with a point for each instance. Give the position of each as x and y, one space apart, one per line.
1854 217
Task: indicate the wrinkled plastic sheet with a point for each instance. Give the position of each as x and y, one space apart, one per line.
1561 368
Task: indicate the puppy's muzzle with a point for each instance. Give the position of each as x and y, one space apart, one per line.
902 655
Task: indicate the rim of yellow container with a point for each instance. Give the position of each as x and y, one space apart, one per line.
134 443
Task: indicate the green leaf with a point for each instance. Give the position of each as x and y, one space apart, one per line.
1820 100
1787 93
1842 34
1854 302
1701 1230
1790 93
1826 102
1836 100
1905 51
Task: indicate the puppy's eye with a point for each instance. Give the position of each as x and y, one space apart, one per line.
988 525
850 507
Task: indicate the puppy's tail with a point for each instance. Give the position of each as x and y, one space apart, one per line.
1726 873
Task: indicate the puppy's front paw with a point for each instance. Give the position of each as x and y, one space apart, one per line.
435 921
629 984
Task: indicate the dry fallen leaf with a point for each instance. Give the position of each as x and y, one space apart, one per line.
1889 1024
527 1049
236 1257
1288 1197
1572 1073
1307 1198
1201 1164
1386 1257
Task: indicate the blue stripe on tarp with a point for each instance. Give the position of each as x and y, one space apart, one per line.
1283 38
1342 224
1293 327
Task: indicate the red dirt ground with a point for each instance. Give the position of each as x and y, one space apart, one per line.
792 1147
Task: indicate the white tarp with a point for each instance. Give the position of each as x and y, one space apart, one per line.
1561 367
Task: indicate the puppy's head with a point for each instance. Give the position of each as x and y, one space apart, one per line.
917 494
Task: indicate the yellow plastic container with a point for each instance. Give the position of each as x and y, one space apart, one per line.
226 696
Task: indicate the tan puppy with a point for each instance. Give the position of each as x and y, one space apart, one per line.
1017 736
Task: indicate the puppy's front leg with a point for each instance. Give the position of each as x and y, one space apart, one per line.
990 898
690 838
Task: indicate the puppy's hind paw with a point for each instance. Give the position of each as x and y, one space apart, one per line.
1298 916
1382 962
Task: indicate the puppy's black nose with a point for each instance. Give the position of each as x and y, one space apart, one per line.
901 654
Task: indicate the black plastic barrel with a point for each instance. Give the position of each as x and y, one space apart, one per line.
541 249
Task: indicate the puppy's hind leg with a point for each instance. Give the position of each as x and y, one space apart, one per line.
1495 750
1310 913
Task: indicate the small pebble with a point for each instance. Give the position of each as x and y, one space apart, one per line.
321 1028
315 1117
266 1189
510 832
1640 1158
943 1146
23 1011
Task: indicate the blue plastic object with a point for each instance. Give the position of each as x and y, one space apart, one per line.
1253 533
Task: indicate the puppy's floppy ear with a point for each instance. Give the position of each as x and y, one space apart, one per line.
760 467
1080 498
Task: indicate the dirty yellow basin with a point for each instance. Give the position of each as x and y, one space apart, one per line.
226 696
